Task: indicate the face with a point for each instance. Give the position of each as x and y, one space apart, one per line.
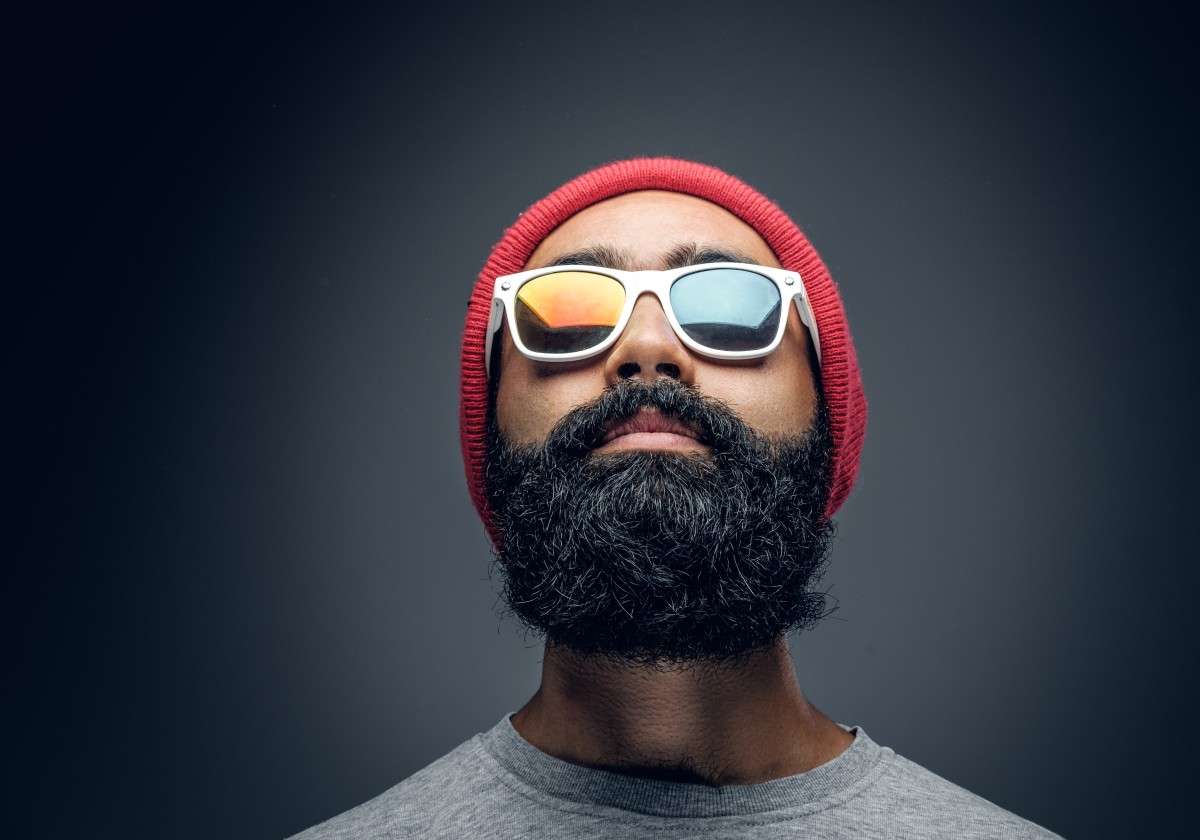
651 547
775 394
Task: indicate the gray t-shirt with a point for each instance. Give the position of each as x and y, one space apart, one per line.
498 785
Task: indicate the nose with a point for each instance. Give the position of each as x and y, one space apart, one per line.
648 347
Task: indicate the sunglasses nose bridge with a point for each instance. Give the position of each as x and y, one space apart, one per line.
658 296
649 283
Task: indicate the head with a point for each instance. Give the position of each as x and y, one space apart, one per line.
660 549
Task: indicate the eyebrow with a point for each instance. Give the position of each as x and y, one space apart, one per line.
688 253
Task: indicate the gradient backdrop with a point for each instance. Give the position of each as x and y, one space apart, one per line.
247 588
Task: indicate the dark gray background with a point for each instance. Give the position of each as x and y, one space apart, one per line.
248 588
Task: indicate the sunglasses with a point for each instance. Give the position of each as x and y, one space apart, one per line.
723 310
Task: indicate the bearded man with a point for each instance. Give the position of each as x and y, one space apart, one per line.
661 411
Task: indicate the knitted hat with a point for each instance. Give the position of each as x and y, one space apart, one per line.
840 377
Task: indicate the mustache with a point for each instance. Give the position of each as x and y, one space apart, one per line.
582 428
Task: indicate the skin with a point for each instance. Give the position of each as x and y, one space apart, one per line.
730 725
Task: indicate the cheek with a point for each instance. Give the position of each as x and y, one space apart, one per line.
776 396
532 397
771 399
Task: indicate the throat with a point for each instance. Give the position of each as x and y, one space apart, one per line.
706 726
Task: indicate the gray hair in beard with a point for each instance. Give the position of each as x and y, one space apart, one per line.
662 559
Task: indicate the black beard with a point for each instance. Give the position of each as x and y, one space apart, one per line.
662 558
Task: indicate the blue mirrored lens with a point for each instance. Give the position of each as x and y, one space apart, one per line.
727 308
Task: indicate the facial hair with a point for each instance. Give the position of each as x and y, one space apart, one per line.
659 558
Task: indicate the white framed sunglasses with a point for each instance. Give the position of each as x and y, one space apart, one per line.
723 310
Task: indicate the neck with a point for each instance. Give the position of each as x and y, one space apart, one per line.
715 725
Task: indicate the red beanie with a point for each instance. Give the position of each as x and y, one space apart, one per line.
840 376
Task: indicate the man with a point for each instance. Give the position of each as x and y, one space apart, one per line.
661 411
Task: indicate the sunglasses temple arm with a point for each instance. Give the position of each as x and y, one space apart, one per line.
809 320
494 322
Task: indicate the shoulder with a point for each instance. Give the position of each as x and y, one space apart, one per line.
920 803
407 809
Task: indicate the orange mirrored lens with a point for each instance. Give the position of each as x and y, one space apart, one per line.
568 311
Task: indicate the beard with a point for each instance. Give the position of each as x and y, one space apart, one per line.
662 559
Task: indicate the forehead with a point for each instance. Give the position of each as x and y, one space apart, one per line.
648 224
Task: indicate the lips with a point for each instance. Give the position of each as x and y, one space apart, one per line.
649 420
